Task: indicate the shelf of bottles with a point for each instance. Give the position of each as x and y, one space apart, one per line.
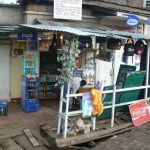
30 79
48 86
30 93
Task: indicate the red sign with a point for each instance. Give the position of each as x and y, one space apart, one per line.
140 112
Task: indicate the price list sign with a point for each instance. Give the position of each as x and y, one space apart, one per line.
68 9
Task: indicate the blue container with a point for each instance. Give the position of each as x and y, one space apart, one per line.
30 93
31 107
3 107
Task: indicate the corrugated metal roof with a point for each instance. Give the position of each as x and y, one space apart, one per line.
76 31
63 29
74 24
9 29
127 34
87 31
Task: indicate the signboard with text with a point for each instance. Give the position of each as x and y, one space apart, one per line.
26 36
68 9
140 112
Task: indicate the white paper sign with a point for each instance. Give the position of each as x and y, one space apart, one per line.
68 9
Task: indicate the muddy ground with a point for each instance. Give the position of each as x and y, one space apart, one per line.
136 139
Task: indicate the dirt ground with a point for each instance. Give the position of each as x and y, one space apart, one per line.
18 118
136 139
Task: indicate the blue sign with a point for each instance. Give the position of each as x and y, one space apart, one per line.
148 21
26 36
132 21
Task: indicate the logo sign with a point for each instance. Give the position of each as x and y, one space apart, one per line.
132 21
68 9
26 36
140 112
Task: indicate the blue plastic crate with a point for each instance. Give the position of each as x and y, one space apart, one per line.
31 101
3 107
36 79
31 108
3 103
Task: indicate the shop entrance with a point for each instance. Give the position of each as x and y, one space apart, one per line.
48 75
48 69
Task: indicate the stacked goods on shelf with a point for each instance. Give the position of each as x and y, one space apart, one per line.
30 93
48 75
48 85
30 79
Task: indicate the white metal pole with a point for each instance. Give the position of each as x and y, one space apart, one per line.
93 123
114 89
147 69
60 110
66 113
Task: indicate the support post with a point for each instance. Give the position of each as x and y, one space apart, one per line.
60 110
114 89
66 112
147 69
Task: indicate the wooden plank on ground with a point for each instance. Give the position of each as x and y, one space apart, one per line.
10 144
23 142
31 138
37 134
42 148
9 132
62 142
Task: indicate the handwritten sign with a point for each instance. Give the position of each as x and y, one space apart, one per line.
68 9
140 112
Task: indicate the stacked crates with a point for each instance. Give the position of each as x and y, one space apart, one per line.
30 93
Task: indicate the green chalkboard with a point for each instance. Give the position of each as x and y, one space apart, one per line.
123 71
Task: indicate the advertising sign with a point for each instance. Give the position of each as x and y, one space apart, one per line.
87 107
68 9
132 21
140 112
26 36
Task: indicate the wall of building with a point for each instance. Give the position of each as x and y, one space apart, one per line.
11 14
16 70
33 12
133 3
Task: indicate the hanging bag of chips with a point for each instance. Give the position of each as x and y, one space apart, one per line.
129 47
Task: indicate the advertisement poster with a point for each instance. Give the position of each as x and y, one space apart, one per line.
44 45
87 107
89 73
140 112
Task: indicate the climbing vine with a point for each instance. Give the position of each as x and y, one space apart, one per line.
67 57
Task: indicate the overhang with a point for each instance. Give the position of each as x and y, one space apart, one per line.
82 29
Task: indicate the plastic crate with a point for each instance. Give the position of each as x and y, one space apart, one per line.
31 101
3 107
36 79
31 107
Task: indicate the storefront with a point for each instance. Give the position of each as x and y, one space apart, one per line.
87 70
